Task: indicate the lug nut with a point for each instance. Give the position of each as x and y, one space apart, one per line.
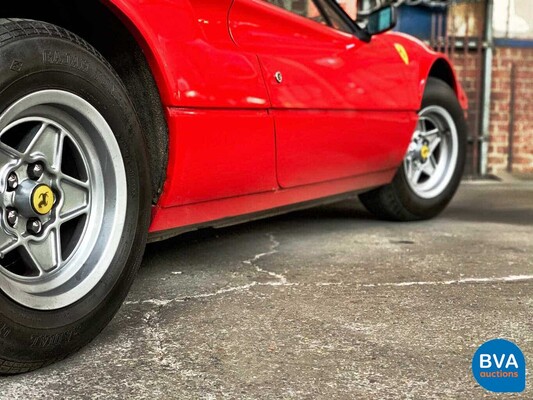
12 217
35 171
12 182
34 226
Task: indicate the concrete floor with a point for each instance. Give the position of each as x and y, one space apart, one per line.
325 303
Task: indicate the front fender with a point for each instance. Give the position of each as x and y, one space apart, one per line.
424 63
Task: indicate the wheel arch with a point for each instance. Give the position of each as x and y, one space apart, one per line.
442 69
107 26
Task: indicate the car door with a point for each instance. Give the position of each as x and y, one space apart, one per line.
340 105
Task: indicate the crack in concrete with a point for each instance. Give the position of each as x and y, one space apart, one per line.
162 303
274 244
151 319
281 280
510 278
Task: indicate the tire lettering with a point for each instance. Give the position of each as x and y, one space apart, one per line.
55 57
52 340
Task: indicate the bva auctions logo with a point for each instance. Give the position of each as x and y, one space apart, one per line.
499 366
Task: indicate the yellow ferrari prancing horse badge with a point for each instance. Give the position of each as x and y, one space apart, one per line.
402 52
43 199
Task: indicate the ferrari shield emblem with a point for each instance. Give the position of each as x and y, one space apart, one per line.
402 52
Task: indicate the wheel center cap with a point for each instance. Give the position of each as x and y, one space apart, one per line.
42 199
424 152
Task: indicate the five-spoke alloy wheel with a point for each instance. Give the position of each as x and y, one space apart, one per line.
63 188
431 159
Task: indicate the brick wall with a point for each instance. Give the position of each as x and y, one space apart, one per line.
504 58
467 67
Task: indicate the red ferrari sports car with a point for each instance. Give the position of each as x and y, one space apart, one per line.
123 121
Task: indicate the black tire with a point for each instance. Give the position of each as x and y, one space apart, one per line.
397 201
37 56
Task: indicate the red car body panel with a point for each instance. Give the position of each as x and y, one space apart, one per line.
217 212
214 157
317 146
240 141
322 68
193 57
344 106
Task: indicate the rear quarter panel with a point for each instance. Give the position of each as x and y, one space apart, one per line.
194 60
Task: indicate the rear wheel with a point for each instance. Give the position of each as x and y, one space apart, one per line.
434 163
73 194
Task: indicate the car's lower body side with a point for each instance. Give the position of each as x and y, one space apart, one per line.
229 163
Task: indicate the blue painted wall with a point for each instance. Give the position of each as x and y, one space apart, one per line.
416 20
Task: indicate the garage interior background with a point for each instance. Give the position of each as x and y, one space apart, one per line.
491 45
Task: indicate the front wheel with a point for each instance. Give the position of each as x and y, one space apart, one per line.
434 163
74 203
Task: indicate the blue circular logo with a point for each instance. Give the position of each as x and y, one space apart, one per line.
500 366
